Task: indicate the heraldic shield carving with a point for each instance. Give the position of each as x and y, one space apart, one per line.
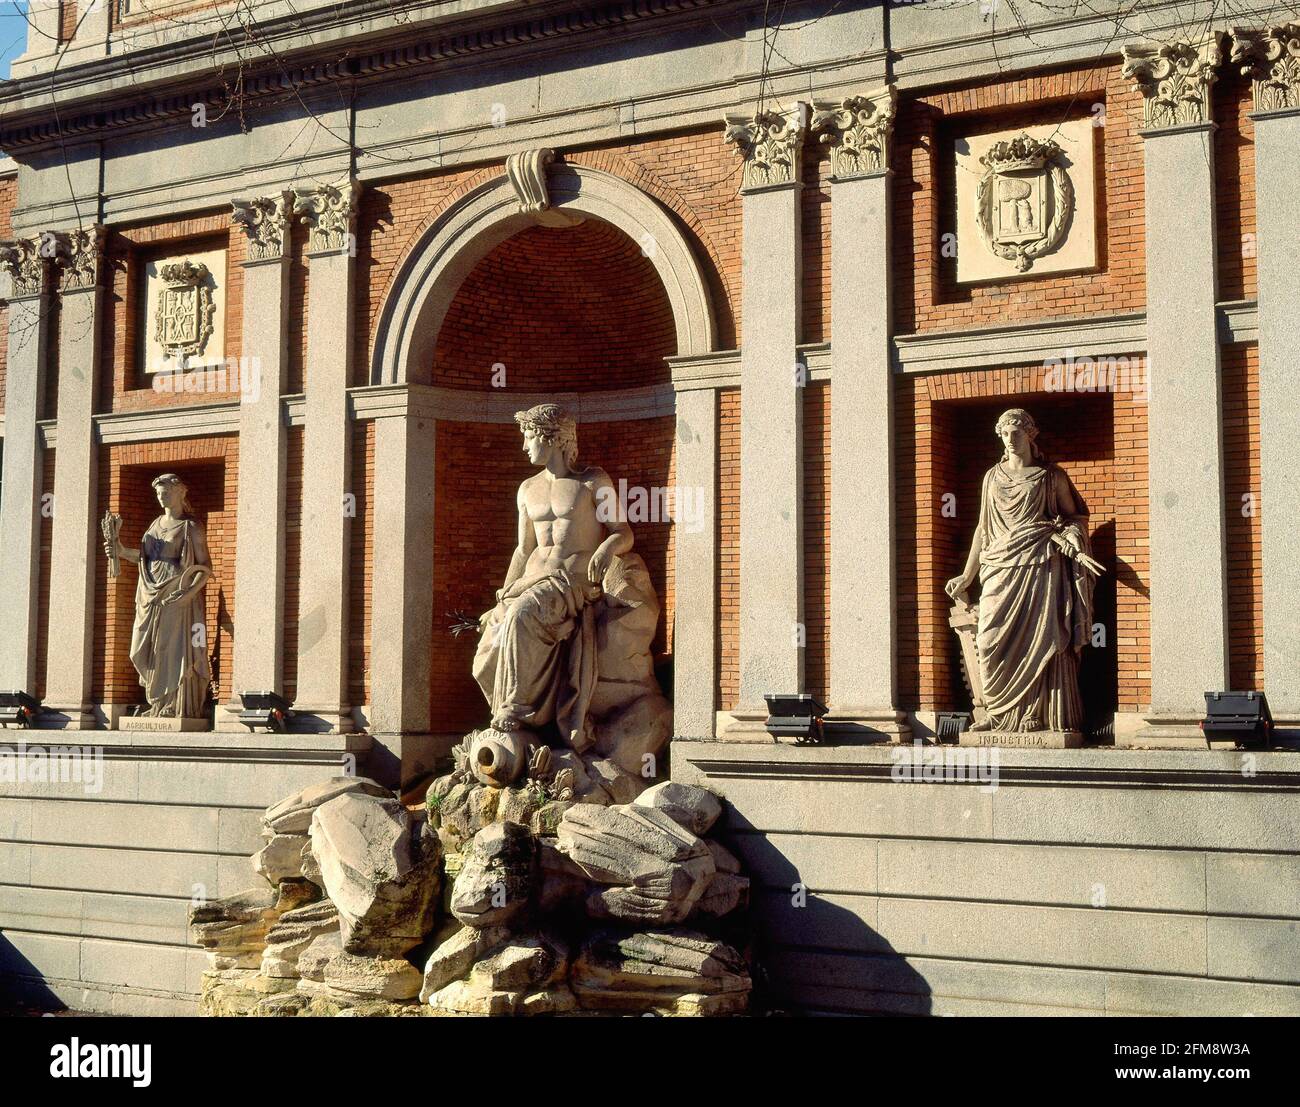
185 309
1025 199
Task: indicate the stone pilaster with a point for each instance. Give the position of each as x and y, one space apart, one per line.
401 618
330 215
76 541
1189 630
695 666
260 559
863 640
1272 59
26 263
772 633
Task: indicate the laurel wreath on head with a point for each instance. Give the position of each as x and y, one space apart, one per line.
1023 255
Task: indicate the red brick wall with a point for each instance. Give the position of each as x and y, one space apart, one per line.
68 16
817 537
569 309
1234 171
945 444
728 615
1244 503
694 174
361 562
292 557
122 387
815 216
210 468
927 296
8 197
479 469
43 584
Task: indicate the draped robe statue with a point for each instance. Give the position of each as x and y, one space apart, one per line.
1035 569
168 648
568 642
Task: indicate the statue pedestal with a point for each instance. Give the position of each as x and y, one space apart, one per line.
148 723
1037 739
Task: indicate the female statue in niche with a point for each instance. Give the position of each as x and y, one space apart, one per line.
168 641
1031 556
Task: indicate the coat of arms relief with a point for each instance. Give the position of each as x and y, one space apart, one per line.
183 323
1025 199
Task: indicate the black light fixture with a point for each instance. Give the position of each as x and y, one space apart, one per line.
268 710
950 724
796 716
18 709
1239 717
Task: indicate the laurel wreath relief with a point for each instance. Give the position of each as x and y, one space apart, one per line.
1023 254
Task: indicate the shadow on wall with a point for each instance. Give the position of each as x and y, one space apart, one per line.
813 952
23 989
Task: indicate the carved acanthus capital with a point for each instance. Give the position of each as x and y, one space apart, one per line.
857 130
771 143
27 261
80 256
330 213
1174 79
265 220
1271 59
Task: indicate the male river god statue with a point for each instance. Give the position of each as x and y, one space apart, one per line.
1031 556
568 643
168 646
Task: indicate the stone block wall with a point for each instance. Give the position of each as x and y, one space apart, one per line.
1167 885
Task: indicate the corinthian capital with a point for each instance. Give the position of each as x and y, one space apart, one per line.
330 213
857 130
1174 79
265 220
771 144
80 256
1271 59
27 261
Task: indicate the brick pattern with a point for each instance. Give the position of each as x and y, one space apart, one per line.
1244 502
122 386
68 16
569 309
944 428
292 556
817 538
479 469
43 584
4 352
210 468
728 614
693 174
1234 180
361 552
926 294
815 262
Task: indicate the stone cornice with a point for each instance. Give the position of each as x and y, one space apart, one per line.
1271 59
127 88
1174 79
265 222
770 144
857 129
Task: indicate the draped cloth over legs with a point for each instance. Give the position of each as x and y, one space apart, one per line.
168 644
536 660
1035 607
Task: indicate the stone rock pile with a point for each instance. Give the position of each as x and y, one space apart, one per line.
545 898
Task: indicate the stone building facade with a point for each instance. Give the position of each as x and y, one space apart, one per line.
735 251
